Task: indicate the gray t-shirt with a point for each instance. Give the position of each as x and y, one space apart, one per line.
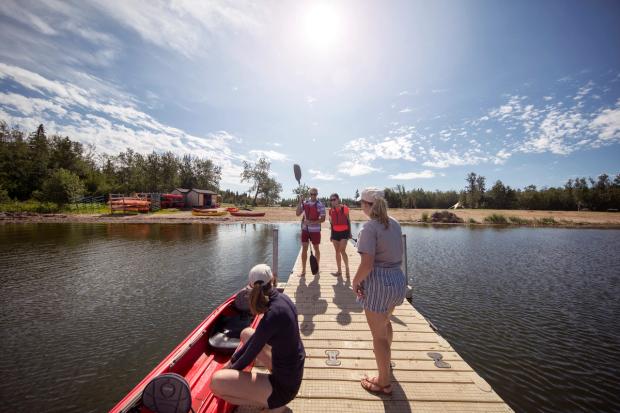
384 244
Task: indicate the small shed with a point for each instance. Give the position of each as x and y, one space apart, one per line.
183 192
201 198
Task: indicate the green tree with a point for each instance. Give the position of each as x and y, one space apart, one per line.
257 175
62 187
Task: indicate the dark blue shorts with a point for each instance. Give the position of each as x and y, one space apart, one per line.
284 390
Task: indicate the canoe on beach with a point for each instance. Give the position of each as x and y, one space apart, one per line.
190 366
242 213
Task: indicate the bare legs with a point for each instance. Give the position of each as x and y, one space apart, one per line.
244 388
304 256
381 329
341 255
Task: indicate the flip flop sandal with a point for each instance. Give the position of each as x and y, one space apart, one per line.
368 385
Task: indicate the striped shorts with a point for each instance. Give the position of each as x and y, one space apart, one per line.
383 289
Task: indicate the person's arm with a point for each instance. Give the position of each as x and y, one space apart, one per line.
248 352
321 214
362 272
300 207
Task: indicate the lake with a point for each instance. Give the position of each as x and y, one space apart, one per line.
89 309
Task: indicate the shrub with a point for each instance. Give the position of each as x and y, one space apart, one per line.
496 219
425 217
61 187
472 221
446 217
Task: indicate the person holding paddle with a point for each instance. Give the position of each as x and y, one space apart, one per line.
314 214
340 232
276 343
379 282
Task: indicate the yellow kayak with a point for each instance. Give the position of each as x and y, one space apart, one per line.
208 212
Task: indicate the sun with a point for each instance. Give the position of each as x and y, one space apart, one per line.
322 26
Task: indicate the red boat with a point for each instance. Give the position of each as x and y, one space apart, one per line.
184 375
242 213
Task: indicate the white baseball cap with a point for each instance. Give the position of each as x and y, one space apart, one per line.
260 272
371 194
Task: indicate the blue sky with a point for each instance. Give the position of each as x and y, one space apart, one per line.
358 93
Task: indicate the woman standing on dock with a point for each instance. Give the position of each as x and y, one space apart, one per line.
275 343
340 232
379 281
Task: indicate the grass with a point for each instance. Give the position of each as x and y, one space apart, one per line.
472 221
496 219
425 217
30 207
546 221
519 221
167 211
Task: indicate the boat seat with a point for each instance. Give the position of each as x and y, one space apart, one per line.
225 337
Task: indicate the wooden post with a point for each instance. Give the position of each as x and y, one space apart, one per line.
409 293
274 255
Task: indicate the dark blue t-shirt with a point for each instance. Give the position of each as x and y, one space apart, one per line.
278 328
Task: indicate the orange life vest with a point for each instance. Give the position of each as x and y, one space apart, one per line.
339 218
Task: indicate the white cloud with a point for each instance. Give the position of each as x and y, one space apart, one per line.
322 176
607 124
405 110
352 168
310 100
269 154
184 26
414 175
445 159
547 98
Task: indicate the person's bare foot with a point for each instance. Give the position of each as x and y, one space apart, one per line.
337 273
303 273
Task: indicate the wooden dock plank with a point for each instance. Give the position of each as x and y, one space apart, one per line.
331 319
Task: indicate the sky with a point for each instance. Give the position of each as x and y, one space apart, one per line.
359 93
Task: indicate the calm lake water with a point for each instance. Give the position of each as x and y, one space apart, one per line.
88 310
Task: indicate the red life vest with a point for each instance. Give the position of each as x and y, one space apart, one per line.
311 211
339 218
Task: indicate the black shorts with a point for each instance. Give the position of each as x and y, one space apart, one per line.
340 235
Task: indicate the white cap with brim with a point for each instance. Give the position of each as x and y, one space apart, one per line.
371 194
260 272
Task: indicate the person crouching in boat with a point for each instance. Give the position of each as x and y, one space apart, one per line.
275 343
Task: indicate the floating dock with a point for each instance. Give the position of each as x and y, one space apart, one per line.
339 352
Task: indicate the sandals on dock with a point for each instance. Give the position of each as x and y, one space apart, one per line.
371 385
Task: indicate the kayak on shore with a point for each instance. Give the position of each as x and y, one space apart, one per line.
209 212
182 378
248 214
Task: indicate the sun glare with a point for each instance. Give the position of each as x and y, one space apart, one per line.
322 26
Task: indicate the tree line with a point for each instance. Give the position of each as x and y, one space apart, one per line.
600 194
57 169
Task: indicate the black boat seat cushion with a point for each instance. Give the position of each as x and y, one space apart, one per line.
225 337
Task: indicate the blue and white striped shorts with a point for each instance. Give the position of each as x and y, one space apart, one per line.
383 289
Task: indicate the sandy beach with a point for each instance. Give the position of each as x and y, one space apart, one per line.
586 219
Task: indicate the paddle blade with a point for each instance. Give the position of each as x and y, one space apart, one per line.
297 170
314 265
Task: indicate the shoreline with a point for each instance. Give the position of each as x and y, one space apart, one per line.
471 217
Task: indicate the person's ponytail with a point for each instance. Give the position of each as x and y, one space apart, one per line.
378 211
259 297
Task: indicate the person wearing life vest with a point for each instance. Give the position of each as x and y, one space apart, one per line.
340 232
314 214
